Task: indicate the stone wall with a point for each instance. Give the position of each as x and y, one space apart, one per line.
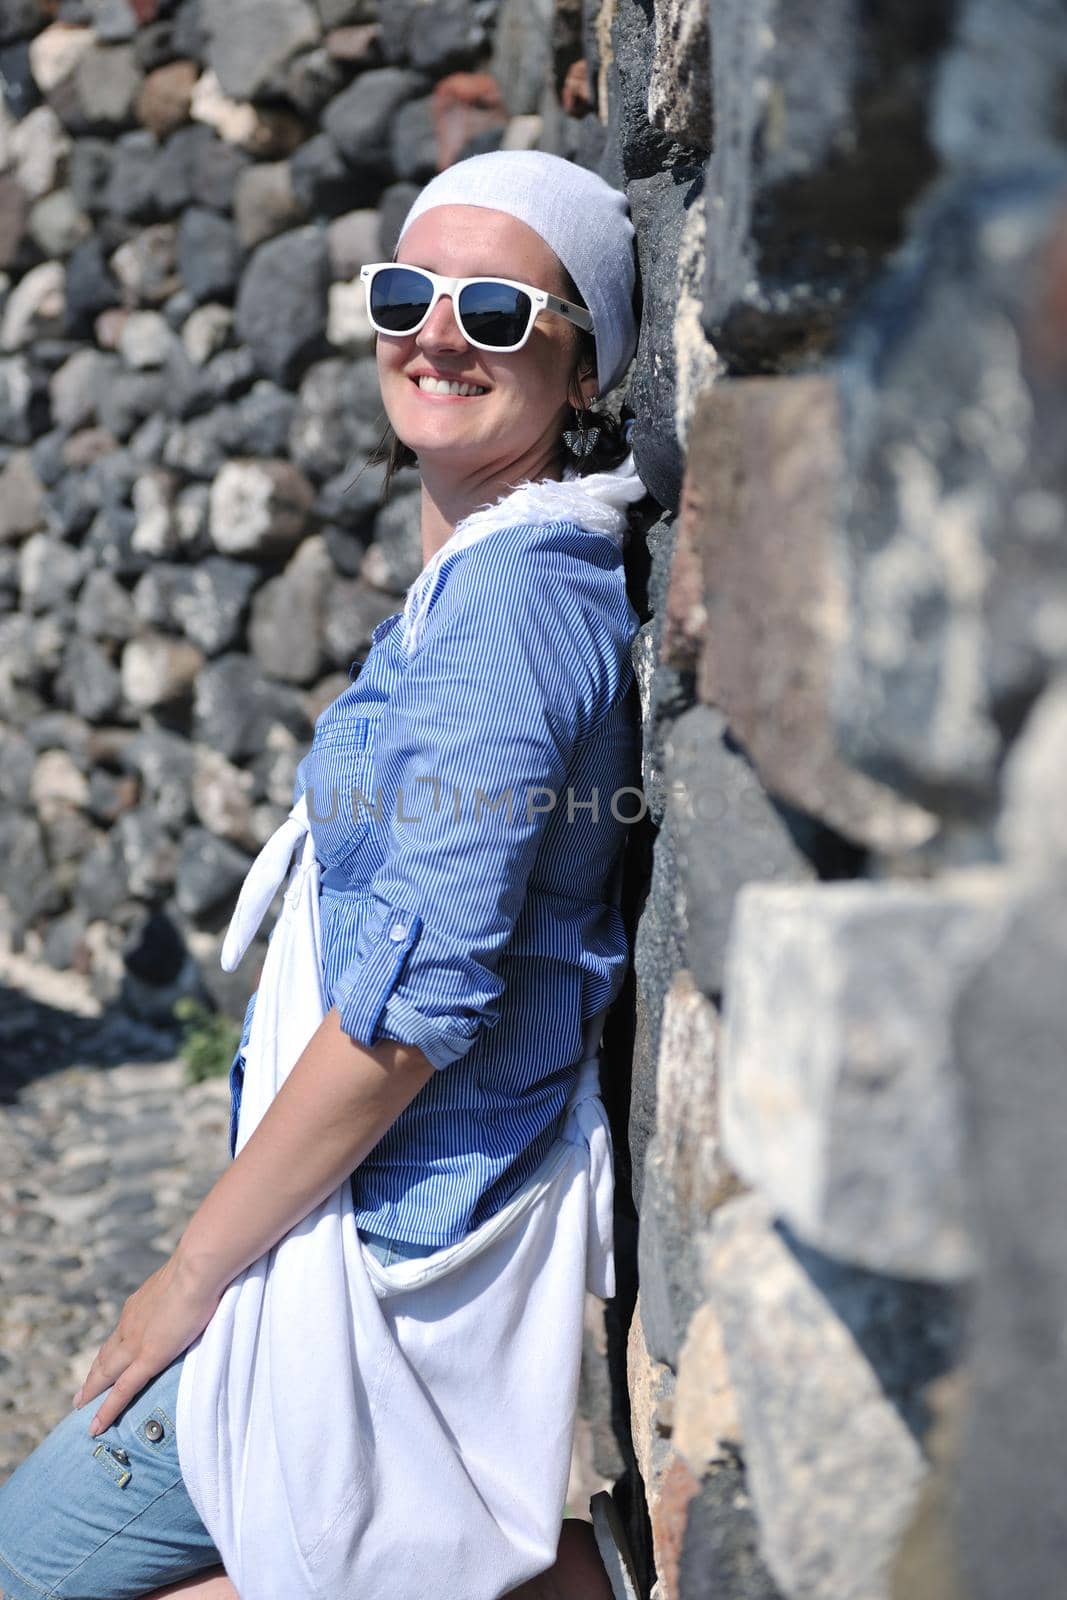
190 555
843 1367
833 1367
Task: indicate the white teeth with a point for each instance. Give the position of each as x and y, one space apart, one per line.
442 386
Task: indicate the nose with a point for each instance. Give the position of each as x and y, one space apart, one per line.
441 331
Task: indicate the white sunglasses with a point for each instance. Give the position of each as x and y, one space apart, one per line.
491 313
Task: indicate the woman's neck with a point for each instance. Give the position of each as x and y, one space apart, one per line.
448 498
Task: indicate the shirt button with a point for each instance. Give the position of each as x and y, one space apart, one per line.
153 1430
398 931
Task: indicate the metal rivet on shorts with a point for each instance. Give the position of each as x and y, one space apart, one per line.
120 1455
153 1430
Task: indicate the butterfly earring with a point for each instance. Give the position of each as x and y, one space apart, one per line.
581 441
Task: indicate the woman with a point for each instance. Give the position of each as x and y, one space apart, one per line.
470 947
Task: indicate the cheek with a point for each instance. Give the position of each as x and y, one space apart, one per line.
544 375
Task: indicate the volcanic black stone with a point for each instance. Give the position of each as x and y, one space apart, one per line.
155 951
131 190
21 93
89 289
282 302
323 182
235 707
209 254
358 120
210 872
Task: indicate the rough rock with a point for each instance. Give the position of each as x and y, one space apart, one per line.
105 610
659 205
90 680
209 254
338 418
56 225
35 308
853 1129
103 90
21 497
286 626
822 135
39 145
954 516
157 671
830 1407
358 119
281 302
679 85
353 241
165 97
1009 1031
264 203
763 481
469 115
236 708
321 179
246 60
258 508
146 265
436 36
222 797
49 572
522 52
210 601
727 832
686 1175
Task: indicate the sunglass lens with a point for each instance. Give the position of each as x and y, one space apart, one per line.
398 298
493 313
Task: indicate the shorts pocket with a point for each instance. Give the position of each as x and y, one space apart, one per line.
112 1462
157 1431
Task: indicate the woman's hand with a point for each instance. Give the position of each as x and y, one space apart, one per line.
158 1322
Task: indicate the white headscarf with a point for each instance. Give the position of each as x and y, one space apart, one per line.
579 216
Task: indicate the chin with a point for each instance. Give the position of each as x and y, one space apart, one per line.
428 438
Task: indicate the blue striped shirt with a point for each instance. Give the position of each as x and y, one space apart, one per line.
468 804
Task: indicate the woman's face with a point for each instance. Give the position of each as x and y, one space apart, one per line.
525 394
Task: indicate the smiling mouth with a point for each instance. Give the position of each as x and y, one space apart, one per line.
464 391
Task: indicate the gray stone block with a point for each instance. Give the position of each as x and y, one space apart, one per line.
759 597
659 205
247 52
685 1175
827 1364
282 302
1032 827
997 102
954 522
1010 1029
821 145
840 1099
728 833
658 954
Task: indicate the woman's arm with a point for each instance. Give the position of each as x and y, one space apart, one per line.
335 1105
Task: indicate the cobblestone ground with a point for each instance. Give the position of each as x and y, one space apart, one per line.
105 1152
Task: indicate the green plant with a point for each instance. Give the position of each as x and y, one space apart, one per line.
209 1040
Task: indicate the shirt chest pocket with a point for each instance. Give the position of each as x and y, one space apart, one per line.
341 784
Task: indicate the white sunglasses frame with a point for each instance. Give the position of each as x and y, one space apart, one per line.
540 300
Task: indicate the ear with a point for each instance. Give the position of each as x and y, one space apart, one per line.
583 386
589 385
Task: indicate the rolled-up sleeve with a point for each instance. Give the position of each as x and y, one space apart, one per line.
524 651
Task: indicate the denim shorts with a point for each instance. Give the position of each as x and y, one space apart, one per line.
110 1518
